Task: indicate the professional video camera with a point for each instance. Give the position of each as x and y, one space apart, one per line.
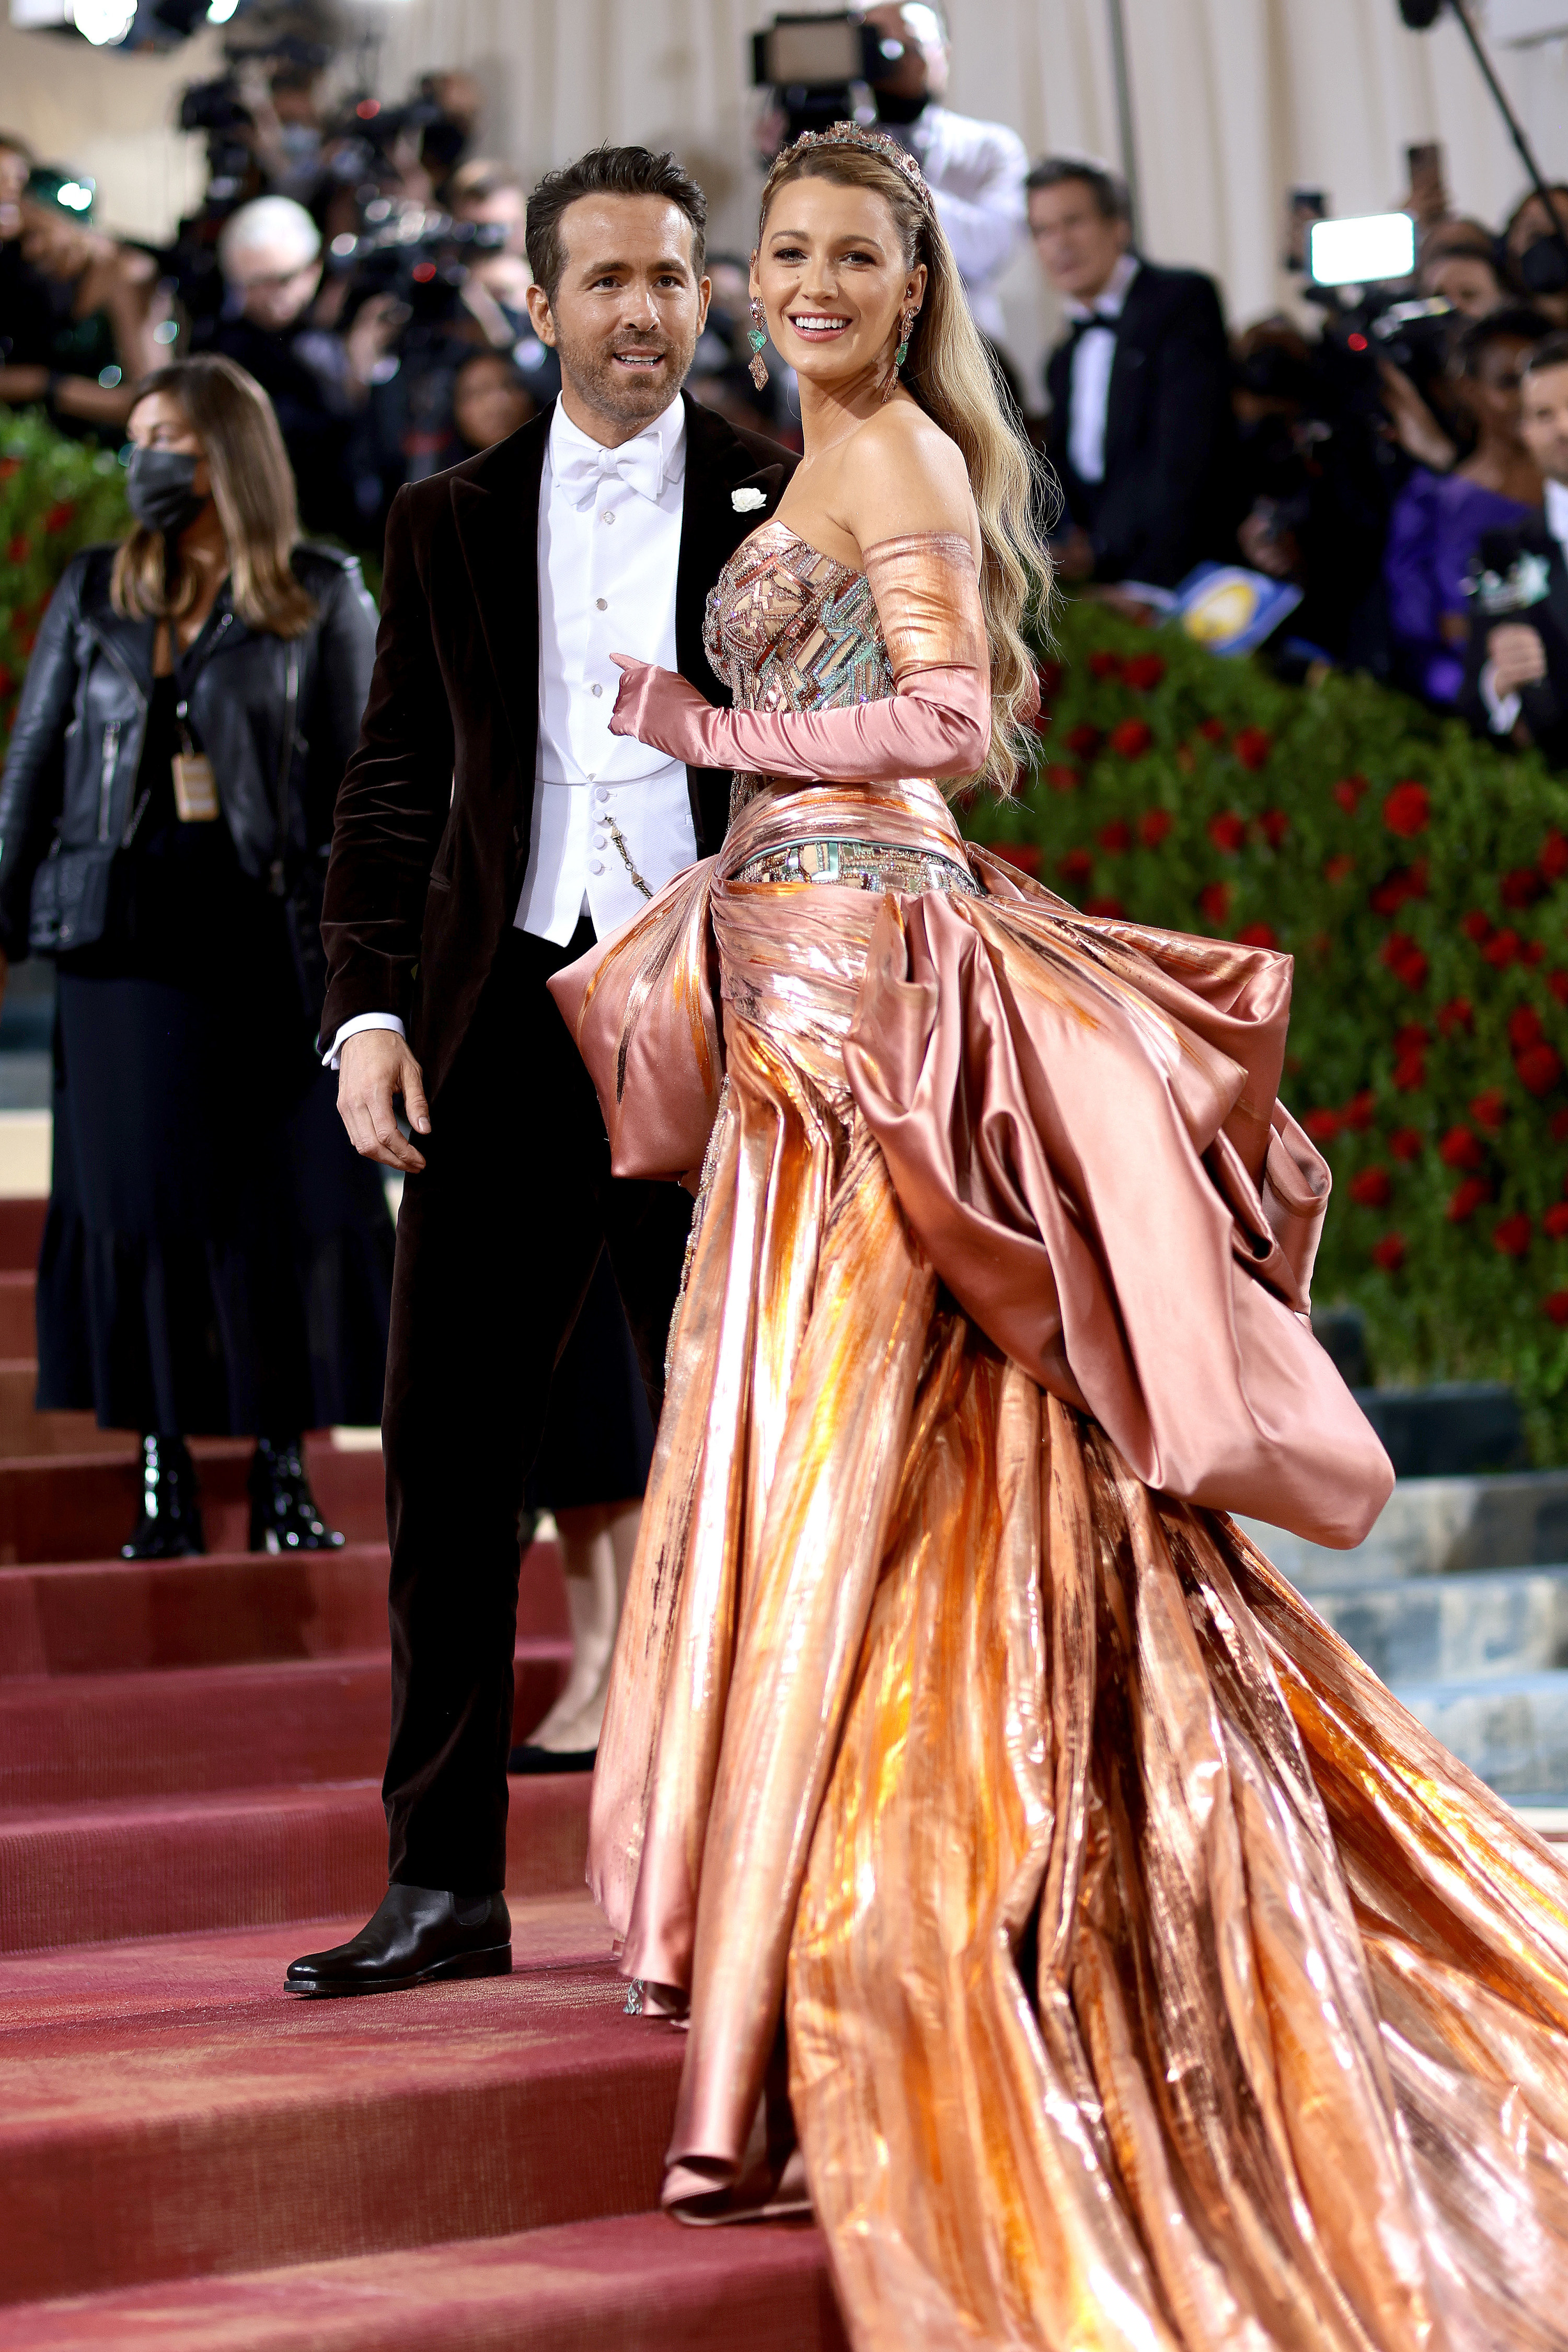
825 69
418 255
1358 273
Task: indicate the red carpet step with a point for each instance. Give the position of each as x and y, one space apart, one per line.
18 1327
81 1507
638 2282
117 1616
190 2159
237 2133
21 1234
66 1740
180 1865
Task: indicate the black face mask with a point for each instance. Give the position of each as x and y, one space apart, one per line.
158 489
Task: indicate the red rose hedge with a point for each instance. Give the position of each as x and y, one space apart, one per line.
55 496
1419 878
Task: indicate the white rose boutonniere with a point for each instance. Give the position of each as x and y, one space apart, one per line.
747 501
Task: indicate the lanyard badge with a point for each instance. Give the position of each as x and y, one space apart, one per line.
196 786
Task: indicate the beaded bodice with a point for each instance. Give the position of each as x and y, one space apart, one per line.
789 629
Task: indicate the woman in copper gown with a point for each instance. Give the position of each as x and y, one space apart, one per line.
1144 1975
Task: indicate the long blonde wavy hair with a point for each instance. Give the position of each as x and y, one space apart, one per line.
949 373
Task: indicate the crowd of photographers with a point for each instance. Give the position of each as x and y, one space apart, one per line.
369 272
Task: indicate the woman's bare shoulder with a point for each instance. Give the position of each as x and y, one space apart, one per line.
902 473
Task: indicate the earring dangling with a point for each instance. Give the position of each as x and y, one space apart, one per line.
907 318
758 340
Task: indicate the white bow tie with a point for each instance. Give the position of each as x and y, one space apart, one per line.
639 464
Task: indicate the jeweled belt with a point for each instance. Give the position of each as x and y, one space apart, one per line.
859 866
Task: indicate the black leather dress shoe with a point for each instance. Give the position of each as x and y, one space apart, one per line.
529 1759
421 1935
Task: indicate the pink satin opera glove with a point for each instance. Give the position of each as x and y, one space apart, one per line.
937 722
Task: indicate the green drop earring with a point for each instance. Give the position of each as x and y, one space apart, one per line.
758 340
907 318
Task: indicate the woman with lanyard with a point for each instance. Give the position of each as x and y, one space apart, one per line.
216 1260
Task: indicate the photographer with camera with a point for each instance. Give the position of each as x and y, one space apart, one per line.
318 381
488 198
974 170
820 69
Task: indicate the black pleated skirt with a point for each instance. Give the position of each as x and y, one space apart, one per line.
597 1446
217 1259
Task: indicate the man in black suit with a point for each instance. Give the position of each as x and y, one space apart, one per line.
1141 432
1516 671
489 827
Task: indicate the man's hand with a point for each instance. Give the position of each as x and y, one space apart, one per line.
375 1067
1518 657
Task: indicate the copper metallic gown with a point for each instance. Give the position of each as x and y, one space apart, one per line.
1148 1977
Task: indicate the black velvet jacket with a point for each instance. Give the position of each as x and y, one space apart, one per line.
434 817
1168 497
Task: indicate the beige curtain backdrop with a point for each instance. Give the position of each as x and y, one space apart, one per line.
1235 101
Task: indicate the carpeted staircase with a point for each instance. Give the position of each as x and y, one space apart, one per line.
190 1757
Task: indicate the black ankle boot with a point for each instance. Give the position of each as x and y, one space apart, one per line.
170 1521
283 1514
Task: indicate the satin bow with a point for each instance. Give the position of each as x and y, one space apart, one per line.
639 464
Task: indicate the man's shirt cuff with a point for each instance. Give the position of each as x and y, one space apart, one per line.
352 1029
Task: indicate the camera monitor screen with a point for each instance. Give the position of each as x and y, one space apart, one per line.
811 51
1361 252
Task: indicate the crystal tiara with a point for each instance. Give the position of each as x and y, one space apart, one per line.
876 142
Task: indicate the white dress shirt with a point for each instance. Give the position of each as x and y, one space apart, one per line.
608 553
1094 355
609 550
1504 709
975 172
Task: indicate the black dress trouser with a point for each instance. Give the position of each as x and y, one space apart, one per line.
497 1243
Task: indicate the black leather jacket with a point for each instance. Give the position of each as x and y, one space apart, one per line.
70 775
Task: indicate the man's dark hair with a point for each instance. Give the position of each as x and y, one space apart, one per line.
607 171
1551 353
1107 189
1512 322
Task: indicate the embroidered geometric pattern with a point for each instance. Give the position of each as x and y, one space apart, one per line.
789 629
860 866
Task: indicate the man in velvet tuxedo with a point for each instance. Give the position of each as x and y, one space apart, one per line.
490 826
1142 432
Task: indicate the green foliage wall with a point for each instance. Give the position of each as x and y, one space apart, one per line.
55 496
1420 879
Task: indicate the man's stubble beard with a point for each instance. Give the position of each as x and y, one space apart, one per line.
625 399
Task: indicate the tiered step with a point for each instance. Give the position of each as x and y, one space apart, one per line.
1455 1601
634 2284
190 2159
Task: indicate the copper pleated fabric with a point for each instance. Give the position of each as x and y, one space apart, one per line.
1146 1977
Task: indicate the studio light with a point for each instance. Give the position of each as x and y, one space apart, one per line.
103 22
